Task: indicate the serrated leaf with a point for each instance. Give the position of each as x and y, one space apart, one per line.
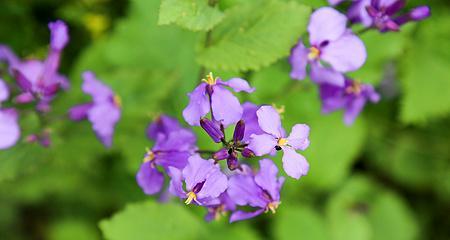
195 15
425 73
255 35
150 220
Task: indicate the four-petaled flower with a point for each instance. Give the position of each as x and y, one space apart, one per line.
274 138
331 43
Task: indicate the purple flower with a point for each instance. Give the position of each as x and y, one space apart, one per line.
261 191
352 98
171 150
162 125
330 42
104 110
4 91
212 94
203 180
40 79
383 14
251 121
219 207
274 138
9 128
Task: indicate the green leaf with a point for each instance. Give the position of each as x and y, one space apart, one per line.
151 220
299 222
255 35
426 73
72 229
195 15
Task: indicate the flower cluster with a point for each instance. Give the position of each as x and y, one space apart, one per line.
335 50
196 175
37 83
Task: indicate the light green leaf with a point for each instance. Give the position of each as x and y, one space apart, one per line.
150 220
426 74
255 35
72 229
195 15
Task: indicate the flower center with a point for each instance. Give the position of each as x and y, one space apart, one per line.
117 100
190 196
282 141
355 88
272 206
149 156
210 80
313 53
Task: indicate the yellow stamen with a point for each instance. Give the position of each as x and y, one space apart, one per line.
313 53
210 80
272 206
149 156
280 109
282 141
190 196
117 101
355 88
220 211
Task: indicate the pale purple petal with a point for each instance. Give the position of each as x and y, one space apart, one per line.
238 85
104 118
4 91
298 60
215 184
262 144
79 112
332 97
181 140
244 191
32 70
8 56
266 178
25 97
358 13
251 120
294 164
196 171
347 53
321 75
99 91
172 159
198 105
226 106
59 35
353 109
163 124
326 24
176 182
9 128
241 215
298 139
269 121
149 178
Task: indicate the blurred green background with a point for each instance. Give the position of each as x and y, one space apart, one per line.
385 177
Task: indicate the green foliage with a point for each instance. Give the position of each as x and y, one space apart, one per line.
255 35
195 15
150 220
425 73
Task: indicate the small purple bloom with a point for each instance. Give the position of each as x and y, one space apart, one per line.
171 150
212 94
104 110
162 125
203 180
330 42
40 79
9 128
261 190
274 138
352 98
383 14
219 207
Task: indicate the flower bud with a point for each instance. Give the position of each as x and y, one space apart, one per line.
419 13
247 153
239 131
232 162
212 129
221 154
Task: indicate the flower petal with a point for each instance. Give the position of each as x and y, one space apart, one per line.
251 120
196 171
9 128
244 191
104 118
59 35
326 24
198 105
99 91
8 56
163 124
269 121
294 164
238 85
176 182
298 139
298 60
4 91
241 215
215 184
262 144
79 112
321 75
149 178
347 53
266 178
353 109
226 106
